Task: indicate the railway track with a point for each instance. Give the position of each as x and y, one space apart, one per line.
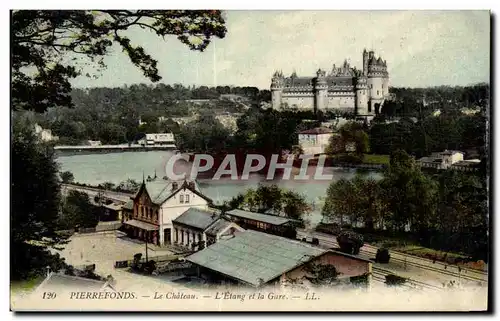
370 251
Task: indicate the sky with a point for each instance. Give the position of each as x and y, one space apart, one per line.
422 49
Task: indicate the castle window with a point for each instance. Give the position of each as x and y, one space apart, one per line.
181 198
187 198
377 92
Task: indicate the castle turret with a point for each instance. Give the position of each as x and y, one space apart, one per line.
361 91
365 63
277 89
321 90
378 83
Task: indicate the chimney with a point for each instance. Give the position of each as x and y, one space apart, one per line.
191 185
175 186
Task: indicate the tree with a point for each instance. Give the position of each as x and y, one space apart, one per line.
35 193
67 177
272 200
78 211
411 196
40 39
321 274
44 48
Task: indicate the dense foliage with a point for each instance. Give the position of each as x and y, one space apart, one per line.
35 196
271 199
78 211
447 210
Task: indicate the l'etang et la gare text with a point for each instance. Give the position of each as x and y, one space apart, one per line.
100 295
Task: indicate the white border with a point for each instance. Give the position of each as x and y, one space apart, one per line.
216 4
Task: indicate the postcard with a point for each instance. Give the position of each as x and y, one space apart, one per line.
219 160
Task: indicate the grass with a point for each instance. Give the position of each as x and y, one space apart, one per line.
375 159
25 285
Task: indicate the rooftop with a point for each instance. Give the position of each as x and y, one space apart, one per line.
197 218
254 257
160 190
265 218
58 281
217 227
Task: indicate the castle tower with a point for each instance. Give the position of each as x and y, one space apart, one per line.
365 63
377 82
361 102
320 90
277 89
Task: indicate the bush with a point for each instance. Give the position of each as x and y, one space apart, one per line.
315 241
350 242
394 280
382 256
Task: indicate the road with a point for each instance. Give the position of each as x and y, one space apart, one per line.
92 192
422 271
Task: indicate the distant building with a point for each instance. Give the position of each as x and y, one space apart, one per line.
314 141
45 134
196 225
345 88
157 204
157 139
94 142
257 259
441 160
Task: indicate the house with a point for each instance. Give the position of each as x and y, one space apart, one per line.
441 160
267 223
94 142
157 204
45 134
314 141
195 226
257 259
157 139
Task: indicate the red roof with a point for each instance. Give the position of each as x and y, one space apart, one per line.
317 131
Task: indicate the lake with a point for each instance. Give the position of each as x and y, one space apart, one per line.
118 167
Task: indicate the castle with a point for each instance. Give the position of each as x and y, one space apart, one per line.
345 89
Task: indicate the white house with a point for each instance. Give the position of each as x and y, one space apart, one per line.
157 204
158 139
442 160
314 141
195 226
45 134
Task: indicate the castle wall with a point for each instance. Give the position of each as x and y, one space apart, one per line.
276 98
385 87
341 101
362 101
303 101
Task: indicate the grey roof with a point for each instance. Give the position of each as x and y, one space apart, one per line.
161 190
142 225
58 281
217 227
197 218
252 256
266 218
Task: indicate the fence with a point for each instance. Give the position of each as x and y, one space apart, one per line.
161 258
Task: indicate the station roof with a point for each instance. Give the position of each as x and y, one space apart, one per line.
265 218
254 257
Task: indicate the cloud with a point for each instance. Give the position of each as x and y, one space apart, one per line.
422 48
